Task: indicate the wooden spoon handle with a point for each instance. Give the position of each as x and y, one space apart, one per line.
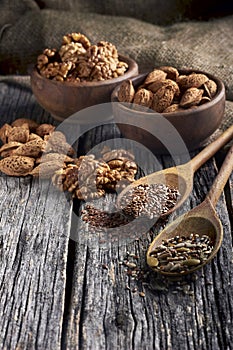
211 149
221 179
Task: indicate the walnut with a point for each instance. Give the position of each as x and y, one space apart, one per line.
77 60
42 60
70 52
57 70
90 178
122 170
50 52
76 38
84 69
126 91
108 155
16 165
48 56
67 179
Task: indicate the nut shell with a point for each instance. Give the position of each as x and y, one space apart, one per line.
19 134
17 165
191 97
162 99
194 80
143 97
22 121
155 75
126 92
32 148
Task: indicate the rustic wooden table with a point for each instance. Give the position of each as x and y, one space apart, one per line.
59 288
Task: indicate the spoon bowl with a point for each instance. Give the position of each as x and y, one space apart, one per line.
201 220
181 176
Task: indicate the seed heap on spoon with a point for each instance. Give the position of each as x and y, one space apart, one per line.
180 254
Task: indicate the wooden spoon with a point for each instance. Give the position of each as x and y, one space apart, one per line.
202 220
181 177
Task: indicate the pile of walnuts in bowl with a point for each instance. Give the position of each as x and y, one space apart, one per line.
77 60
165 90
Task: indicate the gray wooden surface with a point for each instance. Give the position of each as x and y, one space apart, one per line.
61 293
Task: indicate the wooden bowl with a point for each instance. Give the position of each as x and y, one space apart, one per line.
194 126
62 99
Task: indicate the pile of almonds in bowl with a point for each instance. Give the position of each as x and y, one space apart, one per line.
77 60
41 151
166 90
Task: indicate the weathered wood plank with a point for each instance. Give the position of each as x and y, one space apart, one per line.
186 314
35 231
34 234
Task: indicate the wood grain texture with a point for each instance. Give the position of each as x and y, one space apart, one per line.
184 314
52 297
34 234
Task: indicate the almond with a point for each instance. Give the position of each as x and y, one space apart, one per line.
56 135
4 132
154 87
16 165
44 129
155 75
7 149
162 99
33 136
191 97
210 88
143 97
58 157
173 108
193 80
126 92
172 73
46 169
19 134
57 145
31 149
32 125
204 99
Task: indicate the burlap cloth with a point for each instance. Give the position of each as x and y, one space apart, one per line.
205 45
25 30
